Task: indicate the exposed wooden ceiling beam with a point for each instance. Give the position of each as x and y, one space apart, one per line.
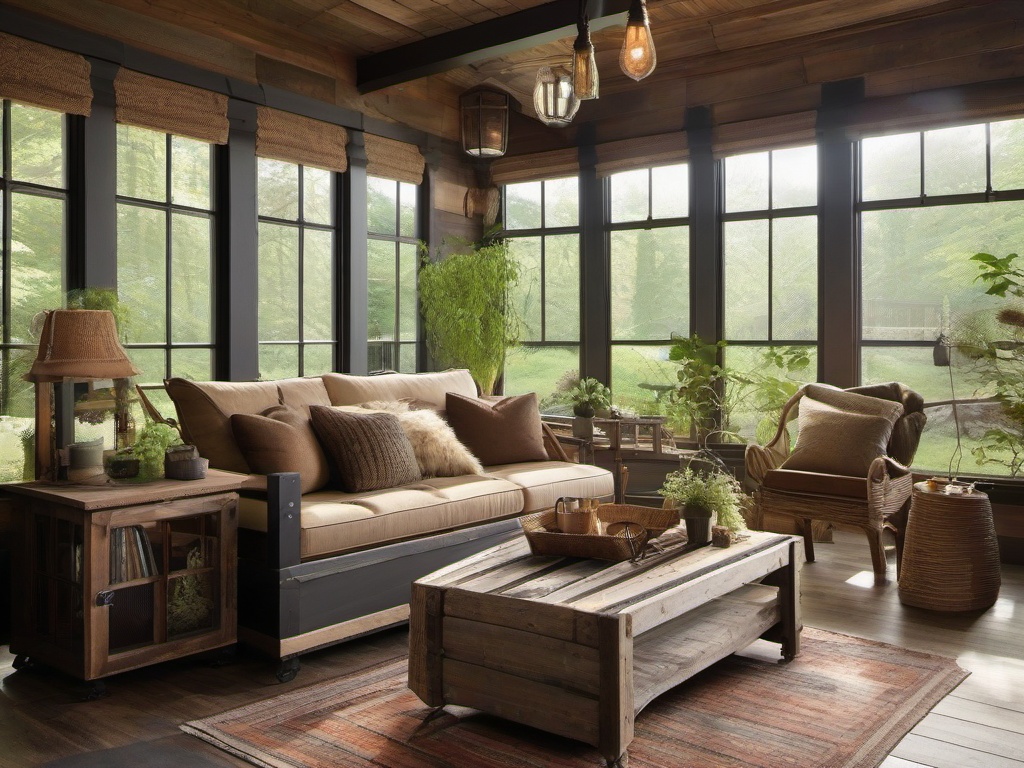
488 39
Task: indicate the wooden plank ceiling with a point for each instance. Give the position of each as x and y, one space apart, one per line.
744 58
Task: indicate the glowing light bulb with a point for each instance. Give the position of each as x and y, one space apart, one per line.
638 57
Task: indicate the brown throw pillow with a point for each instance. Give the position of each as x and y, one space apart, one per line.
837 442
367 451
502 432
281 439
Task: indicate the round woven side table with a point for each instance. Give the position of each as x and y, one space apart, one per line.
950 553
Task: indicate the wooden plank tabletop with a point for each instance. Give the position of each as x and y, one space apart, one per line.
123 493
600 587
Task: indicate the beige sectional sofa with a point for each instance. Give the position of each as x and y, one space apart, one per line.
342 567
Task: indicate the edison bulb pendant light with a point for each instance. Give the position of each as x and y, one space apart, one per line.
584 65
638 56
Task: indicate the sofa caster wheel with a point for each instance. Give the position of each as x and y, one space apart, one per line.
288 670
97 689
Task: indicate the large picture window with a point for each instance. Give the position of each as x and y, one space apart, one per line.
930 201
165 236
650 282
542 223
770 276
392 259
33 191
296 205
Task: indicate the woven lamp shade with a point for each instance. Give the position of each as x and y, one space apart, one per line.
80 344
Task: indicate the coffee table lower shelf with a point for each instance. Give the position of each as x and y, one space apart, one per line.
572 666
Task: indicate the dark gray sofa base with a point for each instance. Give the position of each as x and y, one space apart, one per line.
287 607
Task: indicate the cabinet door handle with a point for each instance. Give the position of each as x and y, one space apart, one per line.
105 598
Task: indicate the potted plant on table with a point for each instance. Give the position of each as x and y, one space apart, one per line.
703 497
588 397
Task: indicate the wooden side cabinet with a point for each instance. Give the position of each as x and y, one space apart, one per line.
114 577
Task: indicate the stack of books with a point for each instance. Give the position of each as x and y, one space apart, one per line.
131 554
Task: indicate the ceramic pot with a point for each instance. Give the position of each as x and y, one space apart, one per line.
583 427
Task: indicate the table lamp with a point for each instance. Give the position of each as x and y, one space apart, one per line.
77 345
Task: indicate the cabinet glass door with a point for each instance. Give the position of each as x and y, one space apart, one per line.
192 576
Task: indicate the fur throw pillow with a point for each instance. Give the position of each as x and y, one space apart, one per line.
438 451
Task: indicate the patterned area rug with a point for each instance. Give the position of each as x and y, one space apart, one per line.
842 703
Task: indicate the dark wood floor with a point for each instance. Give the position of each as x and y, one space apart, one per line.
981 724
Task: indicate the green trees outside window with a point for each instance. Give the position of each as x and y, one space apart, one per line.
165 255
542 224
931 200
33 195
392 258
297 280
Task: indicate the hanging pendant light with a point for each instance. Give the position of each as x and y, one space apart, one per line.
584 65
638 57
484 122
553 97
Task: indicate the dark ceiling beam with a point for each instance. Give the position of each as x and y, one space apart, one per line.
488 39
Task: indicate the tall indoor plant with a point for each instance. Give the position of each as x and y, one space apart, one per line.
468 309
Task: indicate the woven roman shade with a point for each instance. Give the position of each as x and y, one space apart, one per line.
642 152
765 133
164 105
298 139
535 166
33 73
940 108
393 159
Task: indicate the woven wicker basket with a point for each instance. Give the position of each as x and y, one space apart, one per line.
544 537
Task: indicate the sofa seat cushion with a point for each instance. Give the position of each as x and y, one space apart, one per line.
794 481
543 482
334 521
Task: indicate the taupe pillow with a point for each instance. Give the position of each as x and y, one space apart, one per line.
854 402
837 442
367 451
281 439
503 432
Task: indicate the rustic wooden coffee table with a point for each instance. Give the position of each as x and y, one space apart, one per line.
579 647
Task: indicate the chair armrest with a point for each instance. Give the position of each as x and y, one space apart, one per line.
758 459
886 467
553 443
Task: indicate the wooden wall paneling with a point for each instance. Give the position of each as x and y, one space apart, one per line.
789 19
768 78
296 79
408 17
995 65
149 34
374 31
799 99
224 19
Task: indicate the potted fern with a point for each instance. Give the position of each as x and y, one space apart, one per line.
703 497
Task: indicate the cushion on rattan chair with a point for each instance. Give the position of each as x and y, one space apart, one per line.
795 481
906 432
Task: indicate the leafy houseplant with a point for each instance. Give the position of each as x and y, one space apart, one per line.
588 397
468 309
151 445
703 496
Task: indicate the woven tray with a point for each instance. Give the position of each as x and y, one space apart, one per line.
544 537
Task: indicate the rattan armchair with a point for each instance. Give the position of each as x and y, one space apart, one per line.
873 503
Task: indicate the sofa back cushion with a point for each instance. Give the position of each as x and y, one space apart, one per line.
502 432
281 439
204 410
345 389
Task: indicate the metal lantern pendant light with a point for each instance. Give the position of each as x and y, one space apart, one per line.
553 97
638 57
584 65
484 122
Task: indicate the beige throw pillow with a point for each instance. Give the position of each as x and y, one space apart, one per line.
837 442
503 432
368 451
854 402
281 439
